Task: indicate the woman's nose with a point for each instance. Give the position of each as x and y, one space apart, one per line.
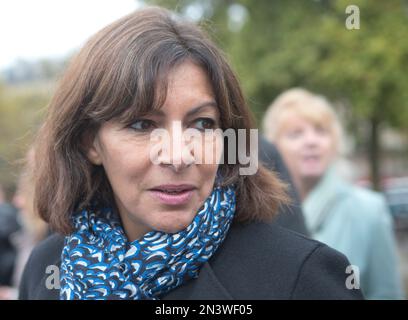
174 161
176 154
311 138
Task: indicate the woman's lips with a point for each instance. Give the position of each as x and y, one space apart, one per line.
172 198
311 159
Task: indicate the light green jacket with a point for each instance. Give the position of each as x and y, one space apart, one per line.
356 222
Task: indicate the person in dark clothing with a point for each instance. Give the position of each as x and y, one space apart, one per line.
140 220
289 216
8 226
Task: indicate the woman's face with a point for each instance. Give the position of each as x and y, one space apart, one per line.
307 148
165 195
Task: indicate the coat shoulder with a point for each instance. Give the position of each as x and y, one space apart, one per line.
43 261
265 261
49 248
270 239
366 208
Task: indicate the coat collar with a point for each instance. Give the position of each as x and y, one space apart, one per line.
205 287
318 205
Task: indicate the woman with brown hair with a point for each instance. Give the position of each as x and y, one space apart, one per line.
134 221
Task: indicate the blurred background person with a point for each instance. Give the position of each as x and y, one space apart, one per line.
8 226
33 229
351 219
289 216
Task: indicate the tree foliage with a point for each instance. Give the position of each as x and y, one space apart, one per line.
21 111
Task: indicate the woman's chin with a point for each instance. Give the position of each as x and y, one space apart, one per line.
313 172
176 223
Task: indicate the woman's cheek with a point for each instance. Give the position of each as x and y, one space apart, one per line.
287 148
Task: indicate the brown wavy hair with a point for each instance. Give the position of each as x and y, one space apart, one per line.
120 73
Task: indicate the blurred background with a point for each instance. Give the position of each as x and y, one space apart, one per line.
273 45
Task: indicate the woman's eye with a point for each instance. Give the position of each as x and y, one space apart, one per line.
294 134
321 130
204 123
142 125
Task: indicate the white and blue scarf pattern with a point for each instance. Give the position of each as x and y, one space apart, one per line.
98 262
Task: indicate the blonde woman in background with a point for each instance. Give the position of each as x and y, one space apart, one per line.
351 219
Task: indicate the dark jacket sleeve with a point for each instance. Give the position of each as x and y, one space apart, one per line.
324 276
290 216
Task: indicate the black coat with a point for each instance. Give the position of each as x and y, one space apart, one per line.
256 261
8 226
290 216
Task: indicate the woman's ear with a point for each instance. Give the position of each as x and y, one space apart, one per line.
92 148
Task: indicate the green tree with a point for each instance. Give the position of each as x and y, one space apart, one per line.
20 114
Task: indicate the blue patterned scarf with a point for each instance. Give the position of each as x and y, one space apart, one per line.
98 262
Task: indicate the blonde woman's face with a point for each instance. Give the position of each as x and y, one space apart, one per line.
307 148
162 196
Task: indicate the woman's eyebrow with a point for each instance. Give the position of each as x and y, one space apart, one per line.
200 107
193 111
